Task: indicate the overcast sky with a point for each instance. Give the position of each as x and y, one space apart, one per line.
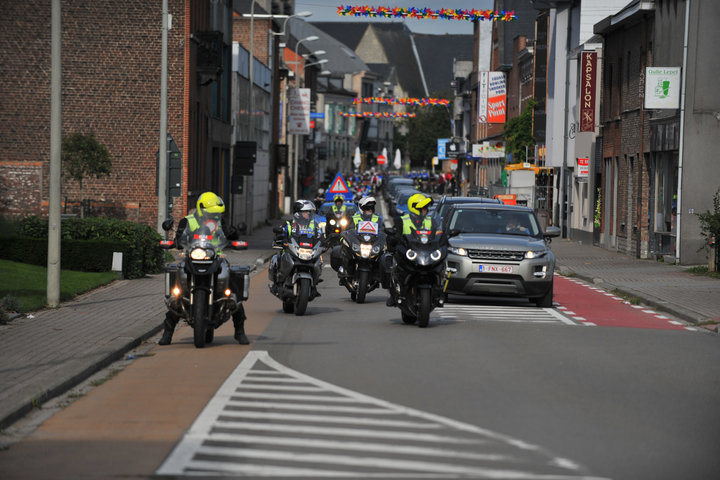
326 11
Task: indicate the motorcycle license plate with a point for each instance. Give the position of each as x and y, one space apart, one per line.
496 268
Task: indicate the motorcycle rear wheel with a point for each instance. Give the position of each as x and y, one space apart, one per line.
303 295
424 308
362 286
199 311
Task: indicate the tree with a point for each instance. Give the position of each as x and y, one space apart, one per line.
518 133
423 131
84 156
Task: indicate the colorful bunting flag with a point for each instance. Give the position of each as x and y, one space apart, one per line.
472 15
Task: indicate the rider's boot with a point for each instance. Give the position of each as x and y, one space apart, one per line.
169 324
239 323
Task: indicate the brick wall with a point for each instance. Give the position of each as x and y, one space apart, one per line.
110 87
626 137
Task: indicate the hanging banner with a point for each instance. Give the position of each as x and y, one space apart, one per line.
299 111
496 97
587 91
662 87
482 97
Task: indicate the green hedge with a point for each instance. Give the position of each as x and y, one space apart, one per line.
88 244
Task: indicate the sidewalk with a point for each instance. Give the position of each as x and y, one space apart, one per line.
47 354
44 356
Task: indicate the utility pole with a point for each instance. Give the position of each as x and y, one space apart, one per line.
54 218
163 158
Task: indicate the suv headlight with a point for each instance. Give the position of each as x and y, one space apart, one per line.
535 254
458 251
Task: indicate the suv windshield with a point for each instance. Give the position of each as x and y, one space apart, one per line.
502 222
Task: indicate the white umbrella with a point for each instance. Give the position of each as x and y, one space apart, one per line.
398 159
357 160
384 154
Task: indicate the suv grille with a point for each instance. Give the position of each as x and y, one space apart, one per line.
503 255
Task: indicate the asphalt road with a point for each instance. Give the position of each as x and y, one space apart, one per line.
492 389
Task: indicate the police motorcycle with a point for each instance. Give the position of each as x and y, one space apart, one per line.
362 248
295 271
335 224
203 288
420 275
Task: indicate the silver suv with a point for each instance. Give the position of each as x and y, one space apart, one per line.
499 249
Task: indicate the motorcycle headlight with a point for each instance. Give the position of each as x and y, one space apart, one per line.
356 247
343 222
535 254
305 253
332 222
458 251
435 256
202 254
365 250
411 254
376 249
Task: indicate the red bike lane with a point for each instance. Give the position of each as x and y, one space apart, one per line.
592 306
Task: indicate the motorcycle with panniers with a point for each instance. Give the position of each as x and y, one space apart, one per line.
203 288
294 272
357 259
420 274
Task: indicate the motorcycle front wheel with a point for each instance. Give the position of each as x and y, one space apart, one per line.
362 286
303 295
199 311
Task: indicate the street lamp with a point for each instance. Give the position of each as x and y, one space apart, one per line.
319 62
298 14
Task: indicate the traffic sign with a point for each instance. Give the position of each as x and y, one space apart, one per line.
338 187
381 159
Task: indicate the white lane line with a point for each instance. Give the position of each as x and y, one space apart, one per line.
302 398
317 419
387 448
447 468
284 388
347 432
559 316
310 407
652 312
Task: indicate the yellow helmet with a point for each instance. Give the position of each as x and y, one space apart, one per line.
418 201
210 203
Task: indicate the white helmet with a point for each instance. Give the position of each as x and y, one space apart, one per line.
367 203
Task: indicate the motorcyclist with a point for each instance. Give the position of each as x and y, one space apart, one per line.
209 212
367 211
320 198
339 209
365 214
417 218
303 222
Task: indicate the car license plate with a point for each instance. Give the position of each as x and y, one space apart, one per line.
496 268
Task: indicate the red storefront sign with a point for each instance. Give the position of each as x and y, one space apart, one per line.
588 80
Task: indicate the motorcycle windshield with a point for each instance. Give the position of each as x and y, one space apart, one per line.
209 234
305 241
423 239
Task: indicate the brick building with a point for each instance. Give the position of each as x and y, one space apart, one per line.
111 61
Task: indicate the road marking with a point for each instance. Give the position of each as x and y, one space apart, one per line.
504 313
341 433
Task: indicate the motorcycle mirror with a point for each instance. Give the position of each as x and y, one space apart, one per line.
167 243
241 227
167 225
239 245
277 229
453 232
390 230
